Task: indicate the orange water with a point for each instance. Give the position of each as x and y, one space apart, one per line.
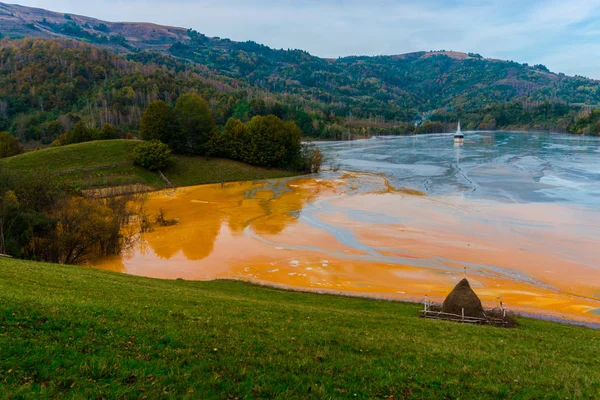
355 234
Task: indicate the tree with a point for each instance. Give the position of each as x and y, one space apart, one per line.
312 158
82 226
241 111
236 139
9 206
158 123
488 123
273 143
258 107
196 124
153 155
9 145
108 132
79 134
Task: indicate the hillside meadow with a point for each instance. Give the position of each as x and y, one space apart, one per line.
75 332
109 163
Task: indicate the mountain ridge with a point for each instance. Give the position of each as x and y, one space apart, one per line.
28 15
391 92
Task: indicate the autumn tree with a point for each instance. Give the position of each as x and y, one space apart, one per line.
108 132
9 145
82 226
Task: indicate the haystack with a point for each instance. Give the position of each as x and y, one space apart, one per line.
463 297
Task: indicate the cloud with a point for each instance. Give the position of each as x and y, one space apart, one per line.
526 31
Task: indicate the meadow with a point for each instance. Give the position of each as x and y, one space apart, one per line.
108 163
77 332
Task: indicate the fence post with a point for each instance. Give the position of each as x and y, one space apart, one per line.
463 314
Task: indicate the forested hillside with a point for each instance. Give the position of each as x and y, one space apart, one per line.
50 85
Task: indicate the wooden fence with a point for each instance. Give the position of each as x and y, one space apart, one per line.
427 312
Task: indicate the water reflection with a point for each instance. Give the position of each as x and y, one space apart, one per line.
364 233
530 167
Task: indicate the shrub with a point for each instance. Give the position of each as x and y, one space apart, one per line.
312 158
153 155
9 145
108 132
163 220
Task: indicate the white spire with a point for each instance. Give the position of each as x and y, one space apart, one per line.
458 130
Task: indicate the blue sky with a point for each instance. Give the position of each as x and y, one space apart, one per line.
563 35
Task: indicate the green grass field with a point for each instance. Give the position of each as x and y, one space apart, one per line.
110 163
74 332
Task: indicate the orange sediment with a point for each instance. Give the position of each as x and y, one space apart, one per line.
355 234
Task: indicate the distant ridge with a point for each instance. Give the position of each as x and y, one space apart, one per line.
387 92
20 21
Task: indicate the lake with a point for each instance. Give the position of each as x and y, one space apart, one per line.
401 218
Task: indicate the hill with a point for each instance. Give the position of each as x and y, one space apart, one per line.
19 21
109 163
70 331
385 91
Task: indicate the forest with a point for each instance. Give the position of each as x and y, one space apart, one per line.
48 87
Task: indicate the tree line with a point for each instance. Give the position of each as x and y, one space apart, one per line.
189 128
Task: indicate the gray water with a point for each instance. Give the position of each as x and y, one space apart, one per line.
501 166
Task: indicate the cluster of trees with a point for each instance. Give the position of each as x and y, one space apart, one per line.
82 133
43 221
190 128
588 124
510 116
264 141
186 129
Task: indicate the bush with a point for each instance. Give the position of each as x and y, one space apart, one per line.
153 155
9 145
312 158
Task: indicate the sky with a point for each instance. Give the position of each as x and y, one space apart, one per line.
563 35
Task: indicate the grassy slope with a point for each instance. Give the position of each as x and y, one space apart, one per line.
110 163
69 331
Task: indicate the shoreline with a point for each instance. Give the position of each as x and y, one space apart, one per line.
413 134
272 261
359 295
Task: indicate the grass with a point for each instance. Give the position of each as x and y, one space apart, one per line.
110 163
74 332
